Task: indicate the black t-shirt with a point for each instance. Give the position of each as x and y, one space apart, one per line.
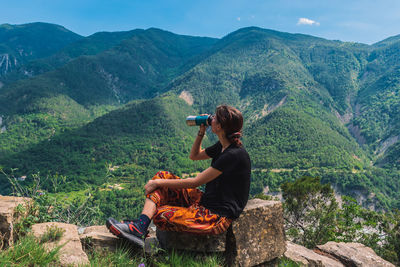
227 194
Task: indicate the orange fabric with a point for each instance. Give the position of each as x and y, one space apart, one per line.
179 210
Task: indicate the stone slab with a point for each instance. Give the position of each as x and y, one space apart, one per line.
307 257
354 254
71 253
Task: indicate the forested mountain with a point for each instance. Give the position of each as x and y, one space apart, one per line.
312 106
377 114
21 43
134 68
88 86
90 45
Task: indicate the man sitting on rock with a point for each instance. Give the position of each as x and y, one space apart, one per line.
176 204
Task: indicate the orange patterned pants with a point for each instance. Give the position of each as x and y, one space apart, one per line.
179 210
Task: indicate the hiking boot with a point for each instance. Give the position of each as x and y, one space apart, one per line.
128 230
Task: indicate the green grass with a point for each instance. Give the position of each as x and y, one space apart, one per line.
53 233
27 252
285 262
124 256
190 259
121 257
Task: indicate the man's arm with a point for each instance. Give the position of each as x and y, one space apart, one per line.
202 178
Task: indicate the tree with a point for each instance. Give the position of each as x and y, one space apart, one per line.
348 220
310 209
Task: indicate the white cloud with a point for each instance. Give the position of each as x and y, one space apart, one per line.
238 18
305 21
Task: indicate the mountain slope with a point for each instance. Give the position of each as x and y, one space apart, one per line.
288 138
387 41
150 134
377 120
21 43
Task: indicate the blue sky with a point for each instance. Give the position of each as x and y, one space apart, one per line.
365 21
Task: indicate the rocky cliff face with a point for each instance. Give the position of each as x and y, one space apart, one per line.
2 127
7 63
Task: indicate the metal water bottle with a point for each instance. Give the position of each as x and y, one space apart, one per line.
199 120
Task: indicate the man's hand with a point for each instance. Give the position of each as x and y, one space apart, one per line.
151 186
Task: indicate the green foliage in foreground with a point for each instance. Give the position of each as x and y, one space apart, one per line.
309 203
382 184
121 257
27 252
311 213
313 217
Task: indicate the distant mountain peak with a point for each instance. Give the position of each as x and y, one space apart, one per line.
275 34
388 41
8 26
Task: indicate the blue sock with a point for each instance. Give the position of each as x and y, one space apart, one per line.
143 223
